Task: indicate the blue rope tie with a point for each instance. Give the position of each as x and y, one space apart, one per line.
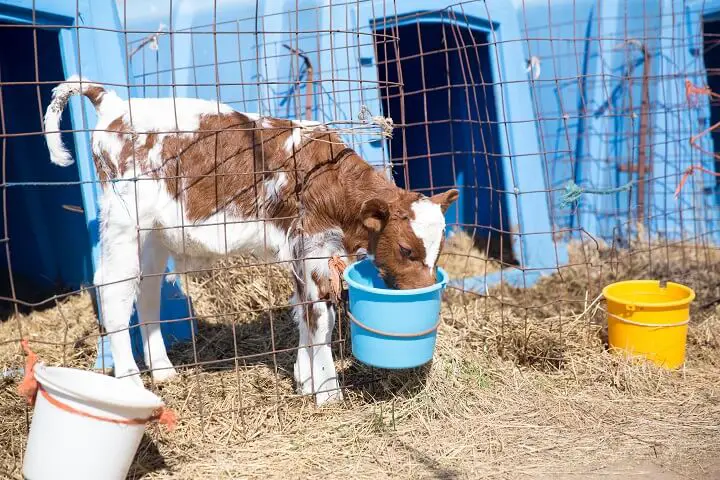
573 192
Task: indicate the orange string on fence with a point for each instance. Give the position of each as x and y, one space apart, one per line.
691 91
29 385
690 170
29 388
337 267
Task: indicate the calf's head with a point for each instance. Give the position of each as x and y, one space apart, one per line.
406 236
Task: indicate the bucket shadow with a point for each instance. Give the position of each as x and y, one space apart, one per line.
148 459
375 384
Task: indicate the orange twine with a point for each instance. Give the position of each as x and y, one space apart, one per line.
29 388
690 170
691 91
337 267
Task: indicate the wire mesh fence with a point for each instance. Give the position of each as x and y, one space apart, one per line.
580 136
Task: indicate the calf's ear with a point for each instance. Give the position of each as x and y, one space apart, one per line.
445 199
374 214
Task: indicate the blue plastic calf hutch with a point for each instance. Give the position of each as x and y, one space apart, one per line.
589 102
392 329
500 175
466 99
52 212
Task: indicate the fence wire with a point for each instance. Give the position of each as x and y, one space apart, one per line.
567 133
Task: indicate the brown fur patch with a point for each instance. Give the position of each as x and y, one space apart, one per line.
323 286
131 154
119 126
95 94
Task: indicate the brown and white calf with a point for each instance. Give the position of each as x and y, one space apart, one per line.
197 180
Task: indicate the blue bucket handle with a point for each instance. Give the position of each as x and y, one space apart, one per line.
394 335
444 282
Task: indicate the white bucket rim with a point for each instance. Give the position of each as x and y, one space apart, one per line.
116 393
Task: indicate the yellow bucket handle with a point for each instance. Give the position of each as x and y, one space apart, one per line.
655 325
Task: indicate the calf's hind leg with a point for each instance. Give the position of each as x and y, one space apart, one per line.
116 279
154 257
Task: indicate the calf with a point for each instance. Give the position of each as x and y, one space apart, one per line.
197 180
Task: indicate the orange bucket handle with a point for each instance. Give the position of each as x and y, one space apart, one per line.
29 388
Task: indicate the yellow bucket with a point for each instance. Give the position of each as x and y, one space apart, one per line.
648 320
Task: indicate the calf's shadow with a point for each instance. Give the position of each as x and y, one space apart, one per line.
270 339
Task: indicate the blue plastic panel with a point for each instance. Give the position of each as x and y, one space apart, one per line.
256 73
588 100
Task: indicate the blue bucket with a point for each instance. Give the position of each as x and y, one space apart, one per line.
392 328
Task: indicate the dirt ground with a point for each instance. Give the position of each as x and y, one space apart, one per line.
521 385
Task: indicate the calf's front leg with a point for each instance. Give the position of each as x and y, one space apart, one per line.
315 371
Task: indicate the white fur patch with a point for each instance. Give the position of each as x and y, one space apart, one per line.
307 123
428 226
164 115
293 141
220 234
274 185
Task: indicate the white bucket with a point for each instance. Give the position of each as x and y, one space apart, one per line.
64 445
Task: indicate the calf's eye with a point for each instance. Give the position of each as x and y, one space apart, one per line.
405 252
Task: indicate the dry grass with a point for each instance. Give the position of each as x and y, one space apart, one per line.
461 258
521 385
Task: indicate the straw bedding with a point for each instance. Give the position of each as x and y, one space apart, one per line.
521 385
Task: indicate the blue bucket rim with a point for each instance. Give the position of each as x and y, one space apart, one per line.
390 292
